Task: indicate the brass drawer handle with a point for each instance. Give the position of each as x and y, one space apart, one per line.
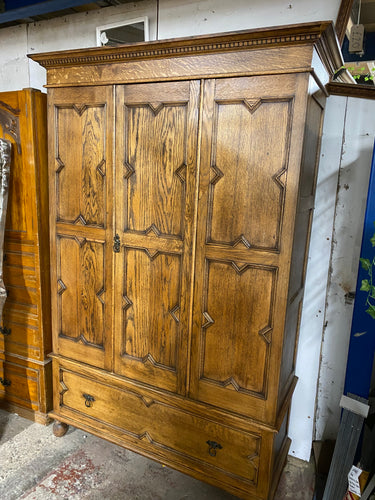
213 446
5 331
5 382
88 400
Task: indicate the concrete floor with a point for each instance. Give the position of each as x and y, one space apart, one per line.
35 465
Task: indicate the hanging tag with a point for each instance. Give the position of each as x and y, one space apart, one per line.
353 479
356 38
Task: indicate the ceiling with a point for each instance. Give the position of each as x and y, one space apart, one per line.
17 12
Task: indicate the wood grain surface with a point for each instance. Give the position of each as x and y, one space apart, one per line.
182 178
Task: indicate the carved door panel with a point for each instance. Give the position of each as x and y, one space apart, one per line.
250 155
156 148
81 222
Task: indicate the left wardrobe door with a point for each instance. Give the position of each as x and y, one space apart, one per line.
81 197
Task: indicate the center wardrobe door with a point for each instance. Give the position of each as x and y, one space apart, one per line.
156 154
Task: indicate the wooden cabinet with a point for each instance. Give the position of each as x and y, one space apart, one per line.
25 338
182 177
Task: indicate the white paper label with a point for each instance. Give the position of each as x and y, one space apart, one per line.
356 38
353 480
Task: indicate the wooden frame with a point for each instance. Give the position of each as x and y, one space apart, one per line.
343 18
351 90
348 89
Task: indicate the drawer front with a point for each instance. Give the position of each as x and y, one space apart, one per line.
22 258
20 324
22 295
19 276
20 332
165 427
19 385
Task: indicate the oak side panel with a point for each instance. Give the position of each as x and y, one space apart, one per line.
304 213
40 128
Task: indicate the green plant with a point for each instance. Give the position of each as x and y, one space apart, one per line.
368 284
367 77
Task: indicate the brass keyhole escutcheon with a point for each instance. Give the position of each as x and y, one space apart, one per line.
116 243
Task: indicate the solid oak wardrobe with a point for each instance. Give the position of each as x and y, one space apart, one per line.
182 177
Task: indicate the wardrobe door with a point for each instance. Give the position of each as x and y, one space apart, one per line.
156 151
251 147
81 222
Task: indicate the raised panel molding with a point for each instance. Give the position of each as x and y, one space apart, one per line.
175 313
156 107
252 104
238 314
81 309
151 295
240 162
153 162
87 158
153 229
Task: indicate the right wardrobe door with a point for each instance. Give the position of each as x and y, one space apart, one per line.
252 131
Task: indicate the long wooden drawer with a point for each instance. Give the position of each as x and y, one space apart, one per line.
234 452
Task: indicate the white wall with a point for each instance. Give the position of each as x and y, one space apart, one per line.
79 31
177 18
355 165
312 320
196 17
14 73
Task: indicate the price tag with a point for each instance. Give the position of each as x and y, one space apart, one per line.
353 480
356 38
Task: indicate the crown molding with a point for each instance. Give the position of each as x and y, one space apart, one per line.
319 34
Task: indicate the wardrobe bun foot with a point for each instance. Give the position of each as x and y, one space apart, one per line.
59 428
